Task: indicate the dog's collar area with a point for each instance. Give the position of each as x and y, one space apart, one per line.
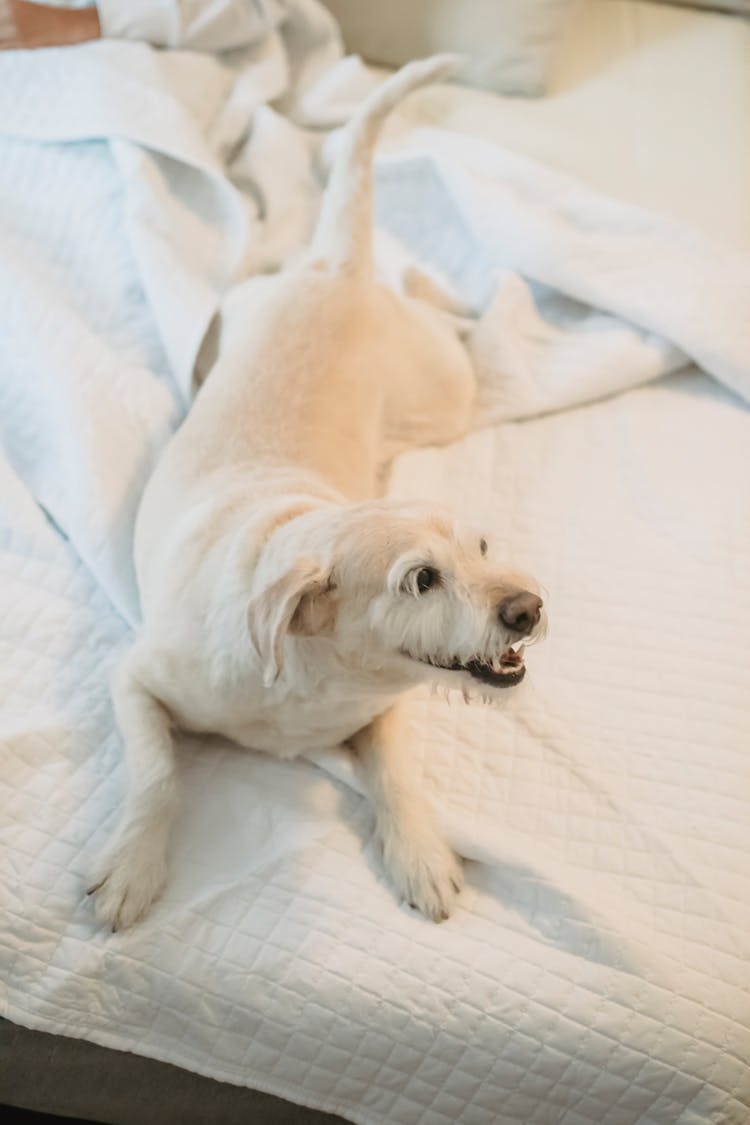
505 671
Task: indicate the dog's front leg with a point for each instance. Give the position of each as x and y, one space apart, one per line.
426 871
133 868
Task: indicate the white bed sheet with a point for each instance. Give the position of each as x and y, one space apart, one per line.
597 969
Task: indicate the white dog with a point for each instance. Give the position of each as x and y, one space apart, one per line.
285 606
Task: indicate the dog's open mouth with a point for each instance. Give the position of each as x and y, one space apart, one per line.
506 670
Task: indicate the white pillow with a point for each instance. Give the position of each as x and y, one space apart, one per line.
741 7
508 43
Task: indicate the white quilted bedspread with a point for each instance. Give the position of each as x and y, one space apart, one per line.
597 968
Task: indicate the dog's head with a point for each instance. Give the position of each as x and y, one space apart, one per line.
401 592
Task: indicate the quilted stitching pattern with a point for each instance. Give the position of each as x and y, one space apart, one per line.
293 970
596 971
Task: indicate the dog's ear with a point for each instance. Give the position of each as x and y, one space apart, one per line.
299 602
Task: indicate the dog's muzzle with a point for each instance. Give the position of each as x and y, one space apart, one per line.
520 613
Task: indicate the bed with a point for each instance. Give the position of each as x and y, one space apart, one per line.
597 969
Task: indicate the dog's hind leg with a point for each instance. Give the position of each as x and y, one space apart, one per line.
422 286
430 381
426 872
132 871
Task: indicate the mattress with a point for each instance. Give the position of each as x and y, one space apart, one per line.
596 969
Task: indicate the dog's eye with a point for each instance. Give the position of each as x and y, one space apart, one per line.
426 579
483 546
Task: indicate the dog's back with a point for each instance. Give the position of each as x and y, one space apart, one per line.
306 374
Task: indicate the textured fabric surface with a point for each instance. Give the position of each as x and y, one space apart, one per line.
596 969
205 25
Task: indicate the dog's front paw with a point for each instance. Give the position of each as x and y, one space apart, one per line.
128 880
426 871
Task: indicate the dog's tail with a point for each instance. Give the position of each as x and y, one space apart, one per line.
343 237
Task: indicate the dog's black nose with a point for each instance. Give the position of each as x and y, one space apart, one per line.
520 612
